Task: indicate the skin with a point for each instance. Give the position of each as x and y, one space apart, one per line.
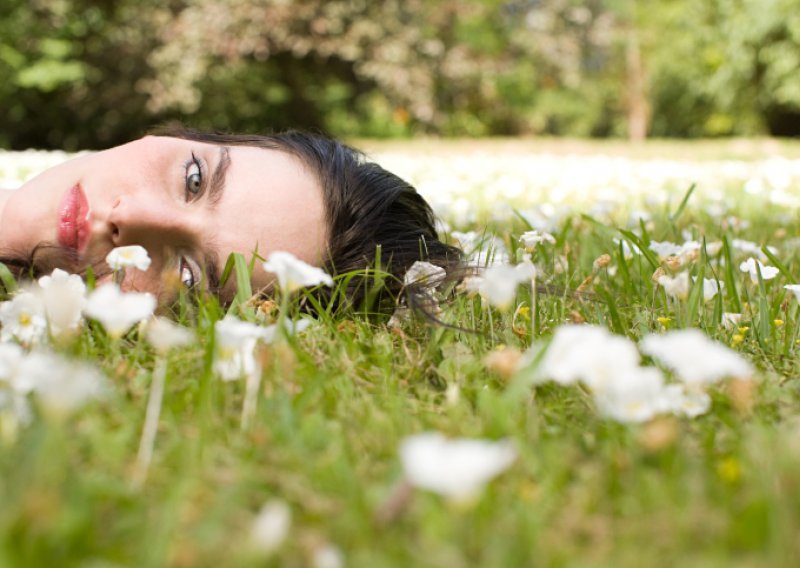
138 195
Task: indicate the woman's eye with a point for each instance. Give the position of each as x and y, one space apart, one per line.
187 276
194 178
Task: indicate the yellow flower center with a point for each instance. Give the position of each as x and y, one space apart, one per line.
226 353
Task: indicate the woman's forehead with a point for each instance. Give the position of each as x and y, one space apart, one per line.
271 201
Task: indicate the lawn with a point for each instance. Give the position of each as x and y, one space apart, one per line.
646 241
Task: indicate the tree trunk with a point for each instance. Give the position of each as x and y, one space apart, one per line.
638 111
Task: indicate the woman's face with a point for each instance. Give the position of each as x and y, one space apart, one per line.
190 204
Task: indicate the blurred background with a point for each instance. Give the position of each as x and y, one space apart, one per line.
82 74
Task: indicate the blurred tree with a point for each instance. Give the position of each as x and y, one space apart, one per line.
71 69
758 78
419 56
92 73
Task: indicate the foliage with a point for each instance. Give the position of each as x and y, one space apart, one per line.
91 73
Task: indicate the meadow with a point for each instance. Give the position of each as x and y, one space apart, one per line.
565 419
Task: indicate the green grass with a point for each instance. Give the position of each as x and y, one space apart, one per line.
718 490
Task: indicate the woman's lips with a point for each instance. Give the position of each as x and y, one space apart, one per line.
74 227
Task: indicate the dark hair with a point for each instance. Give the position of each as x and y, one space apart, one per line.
369 210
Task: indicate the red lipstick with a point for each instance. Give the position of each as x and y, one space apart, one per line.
74 227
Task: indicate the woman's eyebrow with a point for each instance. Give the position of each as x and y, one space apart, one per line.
217 185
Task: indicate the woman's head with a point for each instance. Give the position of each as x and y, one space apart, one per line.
192 198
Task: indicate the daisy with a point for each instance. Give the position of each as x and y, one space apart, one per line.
271 526
531 239
234 348
454 468
587 353
498 284
695 358
118 311
63 297
23 319
677 287
133 256
767 272
293 273
164 335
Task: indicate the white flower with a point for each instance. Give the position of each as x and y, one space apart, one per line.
750 247
634 395
293 273
22 319
498 284
636 216
454 468
713 248
271 526
163 334
468 241
587 353
425 274
15 411
327 556
18 370
490 256
61 385
118 311
767 272
292 327
730 320
684 402
686 252
234 348
482 250
694 357
64 297
677 287
665 249
11 356
531 239
14 408
794 289
689 249
627 249
133 256
716 210
544 216
711 288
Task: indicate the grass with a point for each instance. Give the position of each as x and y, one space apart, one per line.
335 403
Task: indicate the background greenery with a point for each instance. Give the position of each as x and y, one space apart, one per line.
93 73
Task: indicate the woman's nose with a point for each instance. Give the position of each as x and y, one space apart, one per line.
143 222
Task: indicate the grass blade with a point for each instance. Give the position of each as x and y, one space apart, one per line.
682 205
764 320
695 297
730 280
9 283
640 244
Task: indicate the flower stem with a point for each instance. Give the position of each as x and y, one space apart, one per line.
250 397
150 428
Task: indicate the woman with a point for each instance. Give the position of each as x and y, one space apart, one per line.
192 198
